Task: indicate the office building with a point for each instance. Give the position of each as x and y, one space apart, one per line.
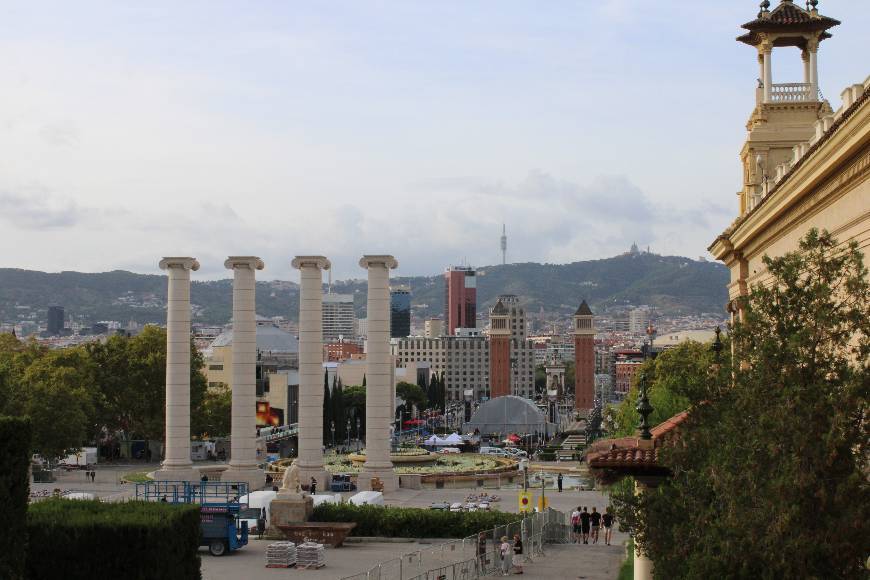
55 320
400 311
460 298
339 320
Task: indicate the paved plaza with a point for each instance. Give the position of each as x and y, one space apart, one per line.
590 562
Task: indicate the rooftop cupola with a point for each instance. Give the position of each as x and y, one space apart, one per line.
788 25
785 114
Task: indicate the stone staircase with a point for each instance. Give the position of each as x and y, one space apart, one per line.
569 446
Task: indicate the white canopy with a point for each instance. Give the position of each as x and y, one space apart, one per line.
449 441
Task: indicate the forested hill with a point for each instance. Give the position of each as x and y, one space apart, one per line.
674 285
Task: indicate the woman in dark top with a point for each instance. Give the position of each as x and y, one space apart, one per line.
518 551
481 550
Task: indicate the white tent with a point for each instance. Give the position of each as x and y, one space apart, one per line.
453 439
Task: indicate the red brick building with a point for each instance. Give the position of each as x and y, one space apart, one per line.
499 352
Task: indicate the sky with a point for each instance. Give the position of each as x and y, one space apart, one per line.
135 130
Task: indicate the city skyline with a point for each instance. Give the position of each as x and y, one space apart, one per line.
213 132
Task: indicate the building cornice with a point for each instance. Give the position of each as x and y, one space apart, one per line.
837 158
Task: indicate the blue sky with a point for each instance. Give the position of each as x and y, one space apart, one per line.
133 130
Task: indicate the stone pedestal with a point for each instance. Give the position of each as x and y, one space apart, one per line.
177 465
243 450
310 449
379 376
286 510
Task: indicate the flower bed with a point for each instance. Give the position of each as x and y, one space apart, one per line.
453 464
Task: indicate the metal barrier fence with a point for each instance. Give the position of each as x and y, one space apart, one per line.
473 556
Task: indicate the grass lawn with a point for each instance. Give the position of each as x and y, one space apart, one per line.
626 571
136 477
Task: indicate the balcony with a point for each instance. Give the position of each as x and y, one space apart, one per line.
791 93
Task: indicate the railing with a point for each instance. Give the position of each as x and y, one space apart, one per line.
791 93
462 560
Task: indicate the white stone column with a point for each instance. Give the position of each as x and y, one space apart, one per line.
643 566
768 75
814 74
243 445
177 465
379 370
310 447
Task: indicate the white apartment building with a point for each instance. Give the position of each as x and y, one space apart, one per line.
339 319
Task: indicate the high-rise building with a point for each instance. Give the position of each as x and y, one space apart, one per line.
460 298
584 358
433 328
503 245
400 311
499 351
55 320
339 320
638 319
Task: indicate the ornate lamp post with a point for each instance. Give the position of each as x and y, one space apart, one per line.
357 435
643 408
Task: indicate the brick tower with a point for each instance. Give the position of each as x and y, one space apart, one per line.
584 359
499 351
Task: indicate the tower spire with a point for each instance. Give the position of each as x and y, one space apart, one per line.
503 245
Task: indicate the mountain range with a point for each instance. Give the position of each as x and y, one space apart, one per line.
673 285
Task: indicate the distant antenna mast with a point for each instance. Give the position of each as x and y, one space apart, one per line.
503 245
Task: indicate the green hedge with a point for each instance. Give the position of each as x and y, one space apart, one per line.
15 434
90 540
394 522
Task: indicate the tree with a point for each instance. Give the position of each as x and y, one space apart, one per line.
354 400
670 373
412 394
58 402
769 478
327 409
216 412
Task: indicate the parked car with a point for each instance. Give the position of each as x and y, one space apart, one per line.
447 450
516 452
495 451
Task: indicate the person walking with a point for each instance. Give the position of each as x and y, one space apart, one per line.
481 551
584 525
313 486
575 525
261 524
518 553
505 551
595 520
559 481
607 520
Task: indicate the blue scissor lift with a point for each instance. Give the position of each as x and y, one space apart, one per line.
219 509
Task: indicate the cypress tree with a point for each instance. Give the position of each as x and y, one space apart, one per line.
327 409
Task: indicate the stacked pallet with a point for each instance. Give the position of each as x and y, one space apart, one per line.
310 555
280 555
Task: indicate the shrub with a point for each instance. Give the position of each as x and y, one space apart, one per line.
15 434
134 540
395 522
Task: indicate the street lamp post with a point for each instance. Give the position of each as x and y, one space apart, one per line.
332 428
357 435
347 433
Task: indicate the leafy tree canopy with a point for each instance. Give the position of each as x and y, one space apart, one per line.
769 476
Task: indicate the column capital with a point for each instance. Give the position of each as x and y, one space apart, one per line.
186 263
384 260
249 262
321 262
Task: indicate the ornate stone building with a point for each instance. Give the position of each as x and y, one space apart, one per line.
804 165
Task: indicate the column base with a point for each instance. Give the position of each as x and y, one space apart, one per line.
253 476
287 511
318 473
385 474
177 474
